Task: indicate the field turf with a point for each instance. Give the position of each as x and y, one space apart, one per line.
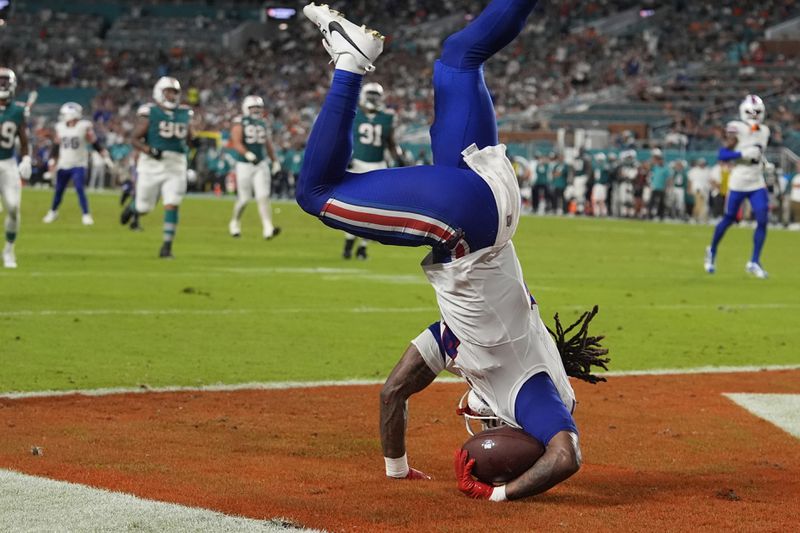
94 307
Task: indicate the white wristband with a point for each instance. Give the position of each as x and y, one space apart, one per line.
396 467
498 494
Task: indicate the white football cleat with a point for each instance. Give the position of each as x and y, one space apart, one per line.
756 270
50 217
234 228
9 258
351 47
87 220
708 264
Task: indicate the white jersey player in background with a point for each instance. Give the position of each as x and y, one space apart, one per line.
745 143
70 158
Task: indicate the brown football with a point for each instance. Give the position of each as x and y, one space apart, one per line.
502 454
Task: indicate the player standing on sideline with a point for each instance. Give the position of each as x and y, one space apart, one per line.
745 142
250 141
162 136
373 130
465 206
600 188
12 126
71 157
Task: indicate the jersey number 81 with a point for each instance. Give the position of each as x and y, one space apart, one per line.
167 130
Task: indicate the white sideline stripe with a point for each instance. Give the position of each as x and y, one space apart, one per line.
362 309
782 410
283 385
275 311
31 503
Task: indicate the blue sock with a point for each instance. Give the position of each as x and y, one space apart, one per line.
719 232
61 185
759 237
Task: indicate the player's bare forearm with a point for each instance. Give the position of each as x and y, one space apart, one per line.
138 135
561 459
237 144
409 376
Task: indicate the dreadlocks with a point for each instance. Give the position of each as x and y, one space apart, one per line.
580 352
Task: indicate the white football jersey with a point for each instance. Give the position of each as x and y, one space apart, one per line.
74 144
747 176
502 340
484 302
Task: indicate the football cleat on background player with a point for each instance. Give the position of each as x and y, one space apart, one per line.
756 270
9 257
351 47
708 263
166 92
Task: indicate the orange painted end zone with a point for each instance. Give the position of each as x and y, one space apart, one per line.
661 453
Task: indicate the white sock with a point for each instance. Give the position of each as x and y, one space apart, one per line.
266 215
396 467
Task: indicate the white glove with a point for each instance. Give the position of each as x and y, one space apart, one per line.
250 156
25 168
752 154
108 162
275 168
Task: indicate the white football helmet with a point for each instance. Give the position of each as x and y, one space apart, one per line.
70 111
8 83
371 97
162 85
473 408
752 110
251 102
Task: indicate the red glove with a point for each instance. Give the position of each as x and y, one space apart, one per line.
466 484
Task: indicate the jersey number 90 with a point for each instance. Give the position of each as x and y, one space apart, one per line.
8 133
370 134
168 130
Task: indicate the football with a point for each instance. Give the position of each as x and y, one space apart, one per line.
502 454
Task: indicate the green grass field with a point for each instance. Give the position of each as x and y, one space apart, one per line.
93 306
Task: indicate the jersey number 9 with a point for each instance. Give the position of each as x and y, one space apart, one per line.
168 130
8 133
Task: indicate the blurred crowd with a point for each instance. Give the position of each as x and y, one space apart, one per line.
558 57
623 185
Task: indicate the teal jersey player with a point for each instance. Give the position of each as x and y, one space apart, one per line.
12 121
254 137
371 135
168 129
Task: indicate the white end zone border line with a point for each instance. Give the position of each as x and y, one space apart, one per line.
32 503
282 385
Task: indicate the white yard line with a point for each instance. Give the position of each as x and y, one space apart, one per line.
32 503
783 410
272 311
283 385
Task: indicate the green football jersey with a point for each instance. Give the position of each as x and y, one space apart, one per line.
168 129
12 120
371 135
602 173
254 135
